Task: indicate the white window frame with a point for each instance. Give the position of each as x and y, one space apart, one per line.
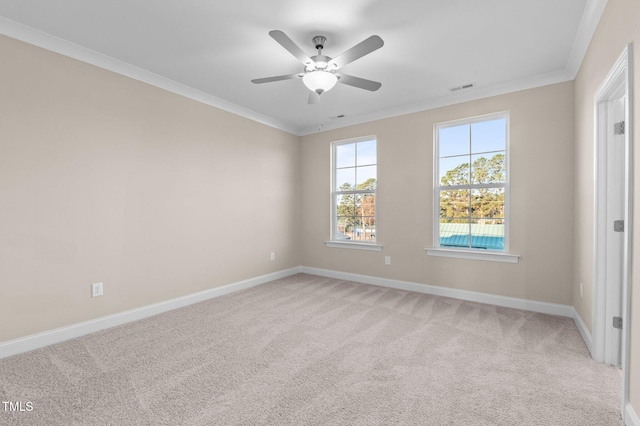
464 252
349 244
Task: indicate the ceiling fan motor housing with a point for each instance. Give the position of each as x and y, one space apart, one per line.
318 42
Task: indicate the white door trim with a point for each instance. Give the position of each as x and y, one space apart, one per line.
619 76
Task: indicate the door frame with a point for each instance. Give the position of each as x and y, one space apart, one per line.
620 77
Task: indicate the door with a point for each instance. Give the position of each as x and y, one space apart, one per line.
615 207
613 202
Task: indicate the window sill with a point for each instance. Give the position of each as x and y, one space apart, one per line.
353 245
474 255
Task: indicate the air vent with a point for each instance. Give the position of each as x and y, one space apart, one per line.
463 87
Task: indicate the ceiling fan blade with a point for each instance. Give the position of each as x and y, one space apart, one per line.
276 78
359 82
356 52
293 48
314 98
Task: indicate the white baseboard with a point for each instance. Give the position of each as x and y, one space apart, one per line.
584 331
630 416
472 296
50 337
39 340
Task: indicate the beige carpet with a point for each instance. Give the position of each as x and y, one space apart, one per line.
308 350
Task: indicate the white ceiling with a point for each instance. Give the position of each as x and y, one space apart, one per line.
211 50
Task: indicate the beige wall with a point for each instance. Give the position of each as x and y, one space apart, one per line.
106 179
541 175
619 25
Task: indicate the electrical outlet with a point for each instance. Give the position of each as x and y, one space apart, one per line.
273 255
387 260
581 290
96 290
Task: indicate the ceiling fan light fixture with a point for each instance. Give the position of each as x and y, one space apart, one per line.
319 81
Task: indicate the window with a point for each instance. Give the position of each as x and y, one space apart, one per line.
471 185
354 191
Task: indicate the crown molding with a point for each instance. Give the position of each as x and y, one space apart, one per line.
588 24
55 44
452 99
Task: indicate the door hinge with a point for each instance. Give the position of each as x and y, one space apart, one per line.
618 225
618 128
617 322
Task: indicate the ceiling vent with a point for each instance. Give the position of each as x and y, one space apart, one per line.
463 87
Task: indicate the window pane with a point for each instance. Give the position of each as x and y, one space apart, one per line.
453 141
346 155
454 205
365 204
366 177
454 234
344 227
366 152
365 229
488 168
489 136
346 179
345 205
454 170
487 204
487 234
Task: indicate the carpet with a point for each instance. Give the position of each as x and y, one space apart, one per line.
309 350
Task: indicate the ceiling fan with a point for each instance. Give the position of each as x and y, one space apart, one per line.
320 71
